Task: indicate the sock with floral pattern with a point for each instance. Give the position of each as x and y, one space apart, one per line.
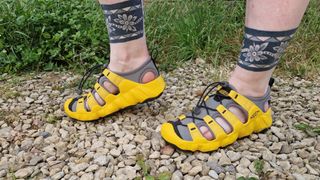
124 20
261 50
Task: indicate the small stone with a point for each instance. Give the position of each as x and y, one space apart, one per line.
87 176
195 170
243 170
213 174
101 160
45 134
215 166
140 139
79 167
233 156
29 100
129 149
311 170
245 162
154 155
128 171
100 173
285 165
96 145
268 156
276 147
35 160
177 175
224 160
185 167
23 173
167 150
286 149
58 175
298 176
92 168
155 142
3 173
276 131
205 169
5 132
26 144
230 169
115 152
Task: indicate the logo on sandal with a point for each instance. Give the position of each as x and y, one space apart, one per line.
255 114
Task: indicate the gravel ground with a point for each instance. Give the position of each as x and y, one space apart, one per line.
39 142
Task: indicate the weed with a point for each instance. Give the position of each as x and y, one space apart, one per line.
145 171
246 178
312 131
47 35
52 119
258 166
11 94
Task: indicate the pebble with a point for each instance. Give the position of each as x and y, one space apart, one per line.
79 167
215 166
3 173
92 168
101 160
23 173
233 156
35 160
58 175
185 167
154 155
213 174
110 149
224 160
167 150
115 152
139 138
276 147
5 132
311 170
195 170
177 175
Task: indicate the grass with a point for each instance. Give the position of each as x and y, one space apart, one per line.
50 35
312 131
145 171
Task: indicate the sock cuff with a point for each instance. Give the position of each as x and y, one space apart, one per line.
130 3
256 32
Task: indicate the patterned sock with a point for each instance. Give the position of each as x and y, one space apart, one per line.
124 20
261 50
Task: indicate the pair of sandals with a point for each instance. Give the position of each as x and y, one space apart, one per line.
184 132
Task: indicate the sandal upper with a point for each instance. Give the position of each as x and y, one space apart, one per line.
214 106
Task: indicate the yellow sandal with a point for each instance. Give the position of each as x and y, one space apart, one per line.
130 92
185 131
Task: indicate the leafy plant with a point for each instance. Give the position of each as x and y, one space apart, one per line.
49 35
145 171
308 129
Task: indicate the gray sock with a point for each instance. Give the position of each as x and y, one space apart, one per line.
124 20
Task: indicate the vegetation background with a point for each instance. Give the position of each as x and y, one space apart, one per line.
54 35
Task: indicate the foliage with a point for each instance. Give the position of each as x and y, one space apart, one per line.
308 129
145 171
46 35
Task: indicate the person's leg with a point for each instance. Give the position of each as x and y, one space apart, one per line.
131 77
128 47
269 26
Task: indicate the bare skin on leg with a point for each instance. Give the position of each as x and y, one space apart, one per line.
125 57
286 14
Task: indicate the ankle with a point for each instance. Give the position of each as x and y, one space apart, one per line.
254 84
127 64
125 57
